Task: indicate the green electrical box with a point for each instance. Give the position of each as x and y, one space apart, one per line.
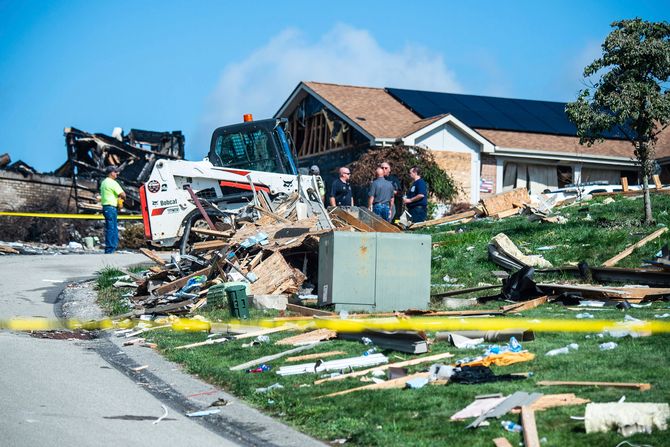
375 272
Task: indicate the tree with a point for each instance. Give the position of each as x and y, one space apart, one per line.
630 94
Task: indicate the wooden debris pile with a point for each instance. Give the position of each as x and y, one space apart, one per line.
274 254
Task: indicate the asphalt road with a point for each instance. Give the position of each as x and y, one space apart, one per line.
65 392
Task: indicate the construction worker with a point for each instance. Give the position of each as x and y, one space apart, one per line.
112 197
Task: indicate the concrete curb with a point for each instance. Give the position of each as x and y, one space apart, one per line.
183 393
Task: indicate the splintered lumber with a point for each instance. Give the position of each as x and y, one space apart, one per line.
631 294
507 213
445 219
400 382
318 355
308 311
505 201
269 358
530 436
412 362
351 220
614 260
10 250
525 305
463 291
501 442
276 276
271 214
254 334
555 400
657 181
210 245
181 282
153 256
308 338
208 232
637 386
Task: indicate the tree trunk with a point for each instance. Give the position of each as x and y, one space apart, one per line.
648 217
647 165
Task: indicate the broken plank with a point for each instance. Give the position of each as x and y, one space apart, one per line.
504 201
308 311
637 386
525 305
445 219
412 362
464 291
351 220
614 260
273 215
238 337
7 249
555 400
210 245
400 382
507 213
179 283
269 358
308 337
318 355
501 442
208 232
657 181
152 255
530 436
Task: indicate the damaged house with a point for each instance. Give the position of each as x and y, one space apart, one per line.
488 145
135 153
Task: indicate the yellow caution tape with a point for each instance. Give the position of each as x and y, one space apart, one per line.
428 324
68 216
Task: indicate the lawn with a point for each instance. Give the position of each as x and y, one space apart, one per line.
594 233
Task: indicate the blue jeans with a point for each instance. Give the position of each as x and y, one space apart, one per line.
382 210
419 213
111 229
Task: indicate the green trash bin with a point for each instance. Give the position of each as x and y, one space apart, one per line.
237 301
216 297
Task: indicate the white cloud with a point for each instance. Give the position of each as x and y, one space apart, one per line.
260 83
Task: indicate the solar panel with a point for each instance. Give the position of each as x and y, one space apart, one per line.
487 112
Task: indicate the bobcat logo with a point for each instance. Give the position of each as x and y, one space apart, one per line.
288 183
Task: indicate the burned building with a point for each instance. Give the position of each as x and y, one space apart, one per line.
135 154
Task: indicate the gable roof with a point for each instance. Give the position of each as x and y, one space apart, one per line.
371 109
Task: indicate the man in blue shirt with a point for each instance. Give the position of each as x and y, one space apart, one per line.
340 190
417 196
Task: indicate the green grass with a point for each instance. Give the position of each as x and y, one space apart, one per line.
110 298
421 417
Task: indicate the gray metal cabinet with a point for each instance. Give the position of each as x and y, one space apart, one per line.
374 271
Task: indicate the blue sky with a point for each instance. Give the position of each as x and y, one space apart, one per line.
170 65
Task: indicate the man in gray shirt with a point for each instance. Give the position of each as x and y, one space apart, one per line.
380 196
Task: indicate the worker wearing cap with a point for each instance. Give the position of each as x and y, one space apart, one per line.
112 197
315 171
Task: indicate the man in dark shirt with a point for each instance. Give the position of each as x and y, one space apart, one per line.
380 196
340 190
417 196
396 207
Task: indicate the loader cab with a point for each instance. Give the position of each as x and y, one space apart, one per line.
254 145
